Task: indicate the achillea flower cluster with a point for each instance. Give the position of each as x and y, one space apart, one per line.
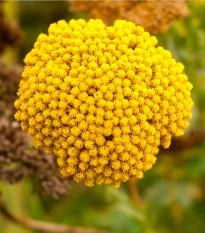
154 16
102 99
9 80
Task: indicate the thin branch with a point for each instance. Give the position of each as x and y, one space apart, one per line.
135 193
44 226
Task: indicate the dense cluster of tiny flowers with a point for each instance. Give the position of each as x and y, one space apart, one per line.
17 162
154 16
102 99
9 80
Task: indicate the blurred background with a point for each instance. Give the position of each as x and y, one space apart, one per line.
171 196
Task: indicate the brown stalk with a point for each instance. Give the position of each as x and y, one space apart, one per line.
44 226
135 193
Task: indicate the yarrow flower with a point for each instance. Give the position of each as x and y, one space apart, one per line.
102 99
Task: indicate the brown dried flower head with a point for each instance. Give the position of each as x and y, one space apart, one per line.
154 16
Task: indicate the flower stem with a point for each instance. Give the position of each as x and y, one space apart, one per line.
135 193
44 226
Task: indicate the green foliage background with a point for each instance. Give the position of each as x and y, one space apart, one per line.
173 191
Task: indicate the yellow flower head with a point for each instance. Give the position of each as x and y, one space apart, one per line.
102 99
